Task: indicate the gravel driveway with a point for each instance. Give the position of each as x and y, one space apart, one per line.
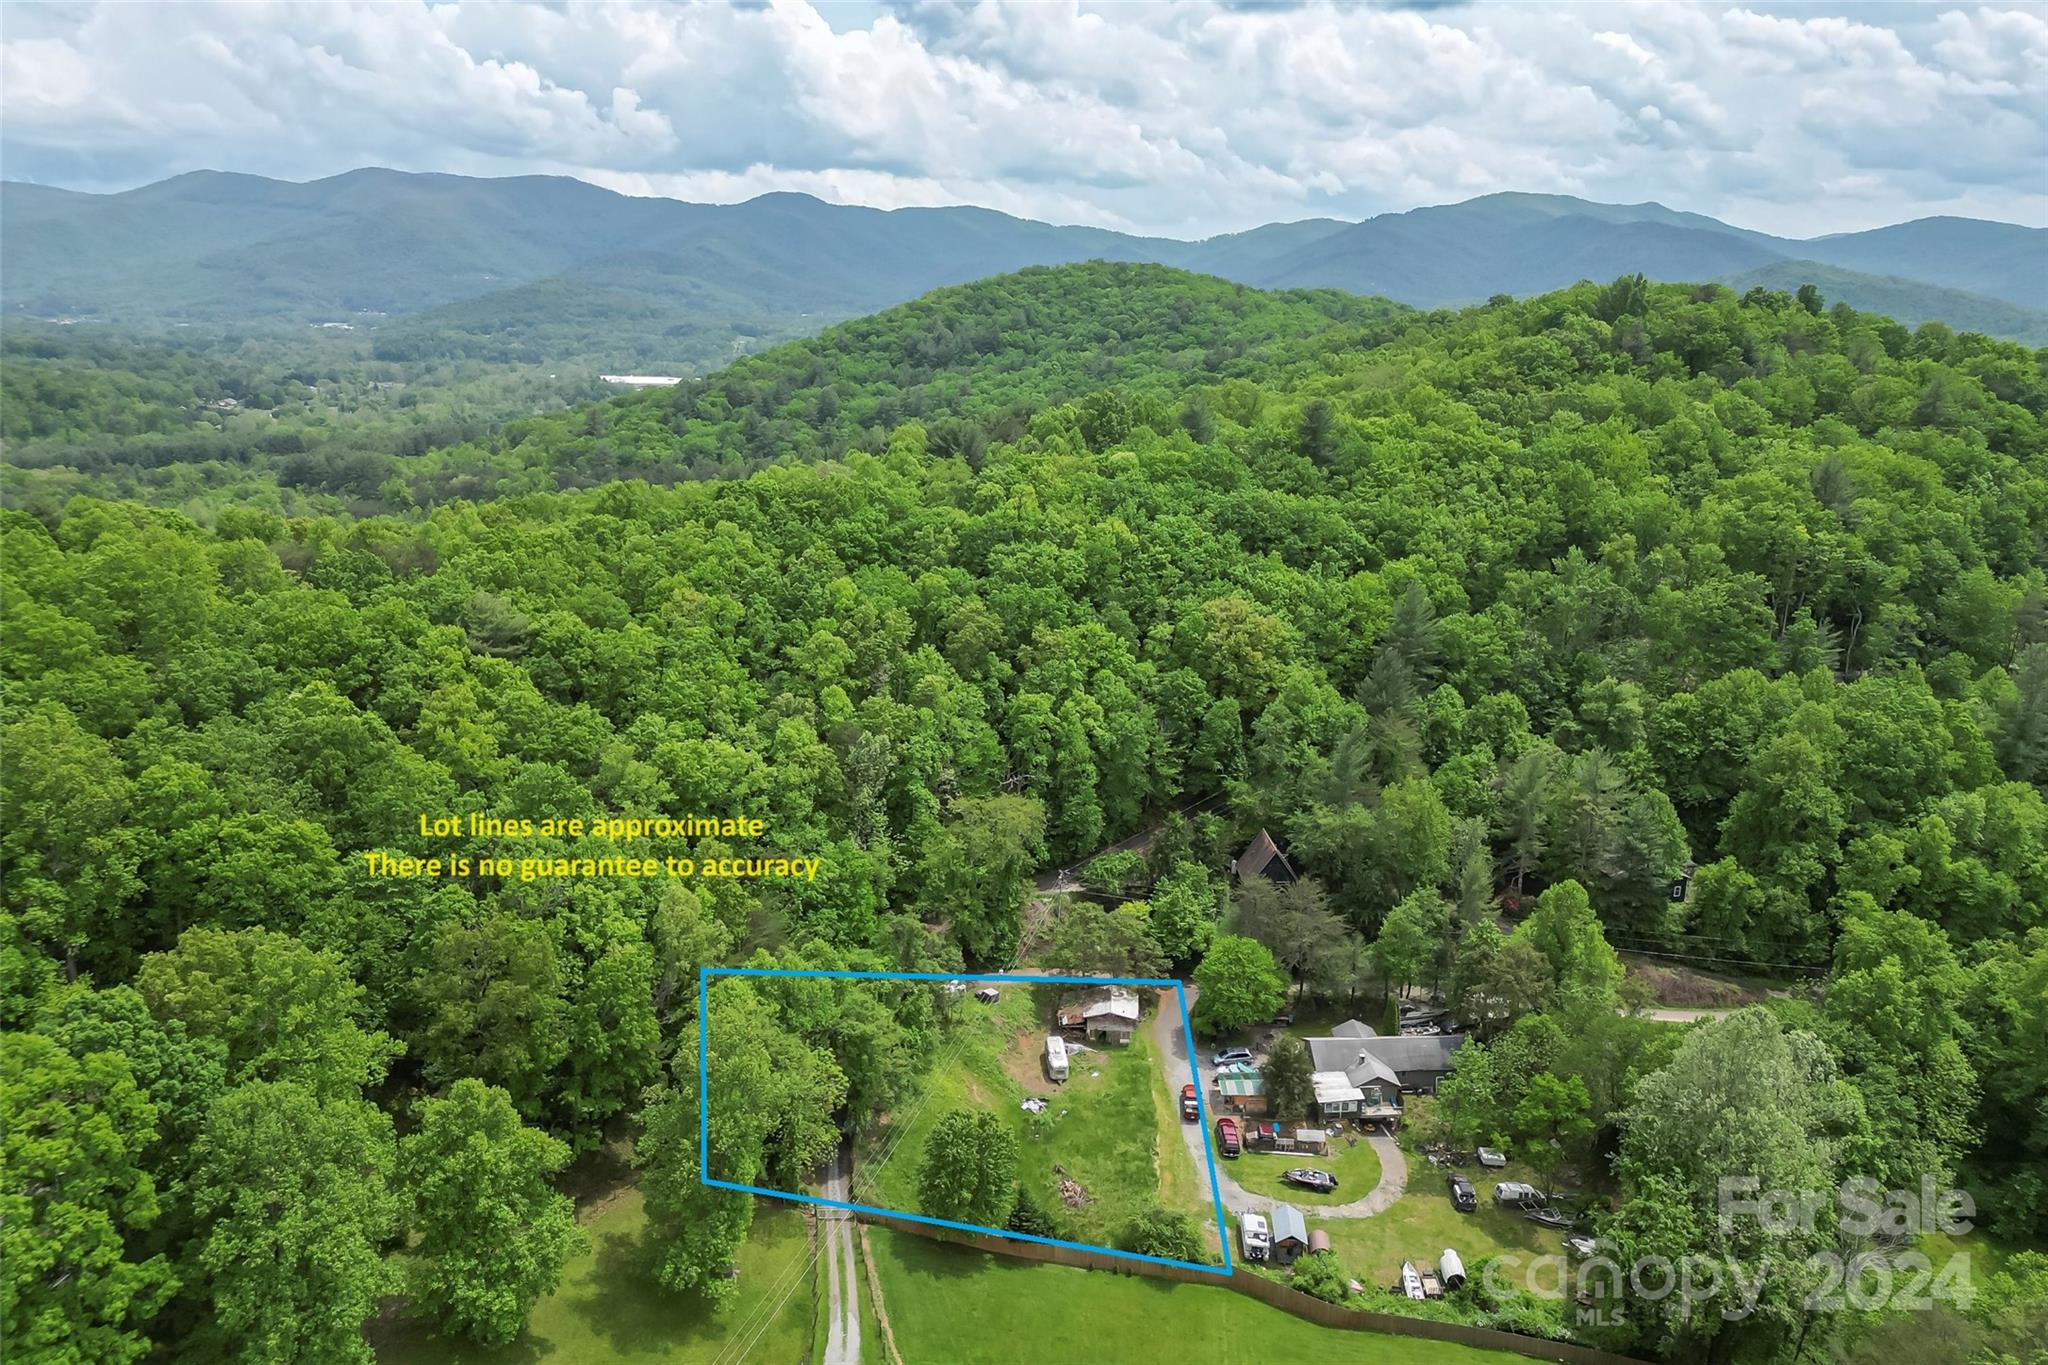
1173 1045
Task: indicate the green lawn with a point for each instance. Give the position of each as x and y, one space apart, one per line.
970 1308
1422 1223
1356 1166
1103 1127
609 1307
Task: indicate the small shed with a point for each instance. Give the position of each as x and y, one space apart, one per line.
1102 1014
1451 1268
1290 1233
1242 1087
1055 1057
1318 1240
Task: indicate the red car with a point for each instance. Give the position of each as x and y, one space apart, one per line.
1226 1137
1190 1105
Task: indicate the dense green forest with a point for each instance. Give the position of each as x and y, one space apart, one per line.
306 423
1502 620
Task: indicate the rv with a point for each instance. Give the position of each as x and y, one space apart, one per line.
1256 1239
1056 1057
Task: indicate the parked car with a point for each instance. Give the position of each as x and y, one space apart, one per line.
1309 1179
1462 1198
1513 1194
1227 1141
1190 1104
1285 1018
1257 1239
1232 1056
1489 1157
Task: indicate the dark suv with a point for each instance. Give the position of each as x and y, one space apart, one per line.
1462 1198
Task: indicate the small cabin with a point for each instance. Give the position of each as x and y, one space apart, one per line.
1055 1057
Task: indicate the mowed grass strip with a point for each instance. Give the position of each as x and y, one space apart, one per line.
609 1307
966 1307
1355 1164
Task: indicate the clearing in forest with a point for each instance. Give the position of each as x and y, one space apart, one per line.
1090 1140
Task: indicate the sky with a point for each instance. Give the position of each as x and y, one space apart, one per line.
1181 120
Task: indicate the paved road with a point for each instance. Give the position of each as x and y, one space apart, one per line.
1686 1016
842 1306
1173 1048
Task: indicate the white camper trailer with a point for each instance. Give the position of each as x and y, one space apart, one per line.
1451 1269
1056 1057
1257 1240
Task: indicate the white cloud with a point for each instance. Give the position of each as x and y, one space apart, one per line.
1182 118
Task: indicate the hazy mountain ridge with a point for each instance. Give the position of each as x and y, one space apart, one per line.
550 268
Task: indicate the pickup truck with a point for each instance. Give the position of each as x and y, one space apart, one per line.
1227 1142
1190 1105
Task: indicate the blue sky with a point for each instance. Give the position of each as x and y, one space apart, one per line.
1181 119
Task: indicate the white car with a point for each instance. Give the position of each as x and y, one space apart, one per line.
1489 1157
1257 1239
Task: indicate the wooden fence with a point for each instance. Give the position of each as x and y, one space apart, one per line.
1268 1291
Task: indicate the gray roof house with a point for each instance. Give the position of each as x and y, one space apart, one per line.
1357 1072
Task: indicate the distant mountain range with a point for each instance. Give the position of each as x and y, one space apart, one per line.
556 270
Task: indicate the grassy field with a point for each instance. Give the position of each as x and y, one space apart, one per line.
1103 1129
1356 1166
609 1307
970 1308
1421 1224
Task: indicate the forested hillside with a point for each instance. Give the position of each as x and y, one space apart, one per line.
548 270
196 424
1513 616
977 360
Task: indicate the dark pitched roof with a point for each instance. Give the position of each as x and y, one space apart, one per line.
1259 858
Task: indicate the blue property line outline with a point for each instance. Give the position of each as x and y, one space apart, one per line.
704 975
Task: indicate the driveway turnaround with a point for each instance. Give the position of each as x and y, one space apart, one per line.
1393 1166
